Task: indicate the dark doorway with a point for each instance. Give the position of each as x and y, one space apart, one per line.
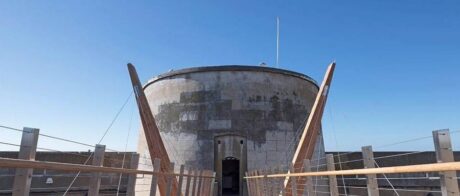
230 176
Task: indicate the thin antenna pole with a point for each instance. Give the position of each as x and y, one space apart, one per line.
277 41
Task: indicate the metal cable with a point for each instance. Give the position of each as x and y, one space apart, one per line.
124 154
396 192
105 133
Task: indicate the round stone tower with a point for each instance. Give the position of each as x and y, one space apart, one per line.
230 119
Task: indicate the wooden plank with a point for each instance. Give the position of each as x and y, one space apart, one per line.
170 179
200 182
156 169
181 179
260 187
133 164
371 181
248 184
206 184
187 184
307 142
252 182
444 154
152 134
195 184
203 184
213 184
27 151
98 160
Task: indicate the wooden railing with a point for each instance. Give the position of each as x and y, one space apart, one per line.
270 181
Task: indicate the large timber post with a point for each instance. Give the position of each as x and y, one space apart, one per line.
443 146
98 160
27 151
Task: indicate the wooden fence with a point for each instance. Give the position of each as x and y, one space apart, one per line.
270 182
193 183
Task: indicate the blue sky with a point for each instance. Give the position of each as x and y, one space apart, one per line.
63 63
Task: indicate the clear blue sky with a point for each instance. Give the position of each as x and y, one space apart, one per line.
63 67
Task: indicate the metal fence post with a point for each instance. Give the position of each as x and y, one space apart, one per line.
170 179
98 160
368 159
134 162
27 151
443 146
156 169
333 189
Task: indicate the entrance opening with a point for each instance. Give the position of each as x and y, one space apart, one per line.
230 176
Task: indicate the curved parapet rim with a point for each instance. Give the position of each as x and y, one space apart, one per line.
230 68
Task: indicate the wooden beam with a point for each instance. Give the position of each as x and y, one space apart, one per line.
422 168
18 163
27 151
307 142
152 134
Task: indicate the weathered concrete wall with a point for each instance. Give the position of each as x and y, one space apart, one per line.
61 179
267 106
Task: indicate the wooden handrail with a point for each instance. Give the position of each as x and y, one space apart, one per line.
434 167
19 163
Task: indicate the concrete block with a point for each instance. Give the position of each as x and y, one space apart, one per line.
187 136
282 145
188 115
219 124
275 155
284 125
269 145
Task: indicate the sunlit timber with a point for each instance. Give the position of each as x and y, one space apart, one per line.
434 167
